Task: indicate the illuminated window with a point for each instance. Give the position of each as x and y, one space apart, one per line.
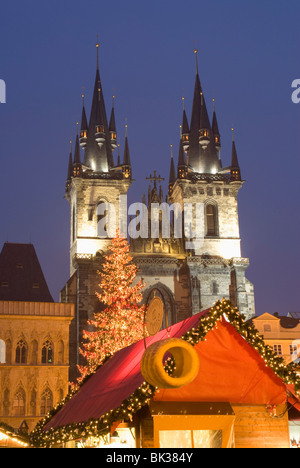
190 439
19 403
46 402
204 133
278 349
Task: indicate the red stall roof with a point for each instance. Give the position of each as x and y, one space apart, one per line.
115 381
230 370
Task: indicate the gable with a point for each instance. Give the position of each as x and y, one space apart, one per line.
230 371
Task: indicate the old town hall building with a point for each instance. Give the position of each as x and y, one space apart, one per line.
188 276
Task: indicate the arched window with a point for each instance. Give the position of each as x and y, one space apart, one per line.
47 352
19 403
46 401
211 220
2 352
21 352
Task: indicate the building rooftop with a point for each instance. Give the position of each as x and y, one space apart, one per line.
21 276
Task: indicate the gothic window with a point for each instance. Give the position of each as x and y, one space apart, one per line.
46 401
2 352
47 352
19 403
211 220
102 219
278 349
21 352
8 353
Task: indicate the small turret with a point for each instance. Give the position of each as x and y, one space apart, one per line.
70 167
185 130
77 166
112 128
235 171
215 130
126 166
84 126
172 176
182 169
204 132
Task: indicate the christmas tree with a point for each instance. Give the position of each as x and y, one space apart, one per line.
121 323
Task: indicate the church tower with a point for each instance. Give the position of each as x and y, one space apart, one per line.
94 184
190 265
96 189
213 255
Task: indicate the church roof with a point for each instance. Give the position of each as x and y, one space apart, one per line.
21 276
201 160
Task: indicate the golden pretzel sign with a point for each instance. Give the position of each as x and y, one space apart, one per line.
154 316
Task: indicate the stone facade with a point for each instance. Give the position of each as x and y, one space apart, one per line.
189 276
34 359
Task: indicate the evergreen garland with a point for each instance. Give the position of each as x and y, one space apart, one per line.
143 395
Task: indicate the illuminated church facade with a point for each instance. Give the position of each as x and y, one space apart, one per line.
189 270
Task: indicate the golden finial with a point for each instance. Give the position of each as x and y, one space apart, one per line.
183 104
196 56
171 146
97 49
232 129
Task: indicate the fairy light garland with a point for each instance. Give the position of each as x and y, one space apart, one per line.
102 426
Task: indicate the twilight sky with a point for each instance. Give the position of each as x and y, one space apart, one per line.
248 57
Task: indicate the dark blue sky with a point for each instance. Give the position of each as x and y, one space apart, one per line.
248 57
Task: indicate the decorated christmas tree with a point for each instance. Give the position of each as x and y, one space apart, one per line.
121 323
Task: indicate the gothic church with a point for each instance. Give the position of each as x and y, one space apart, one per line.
186 280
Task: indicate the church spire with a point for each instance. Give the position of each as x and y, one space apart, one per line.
112 126
181 167
84 126
126 167
202 154
77 149
70 168
172 176
185 130
77 167
98 154
215 129
235 168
